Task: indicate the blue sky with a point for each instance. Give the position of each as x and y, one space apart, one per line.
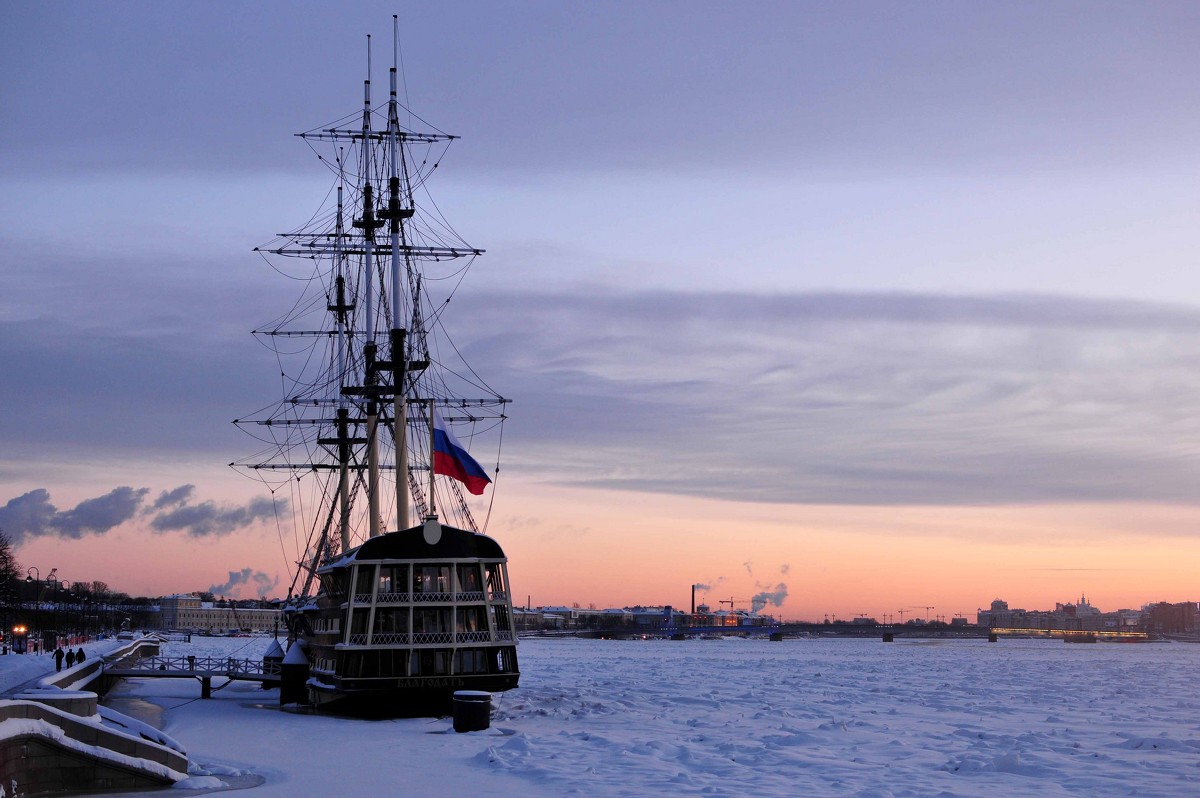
929 254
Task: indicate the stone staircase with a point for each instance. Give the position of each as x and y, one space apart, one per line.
55 740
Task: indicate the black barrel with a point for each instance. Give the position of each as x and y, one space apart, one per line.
472 710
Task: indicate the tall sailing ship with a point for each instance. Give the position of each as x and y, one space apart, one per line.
399 599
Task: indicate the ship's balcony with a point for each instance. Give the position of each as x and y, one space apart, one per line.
441 598
393 598
427 638
497 595
463 598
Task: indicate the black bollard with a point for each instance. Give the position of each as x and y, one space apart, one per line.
293 677
472 710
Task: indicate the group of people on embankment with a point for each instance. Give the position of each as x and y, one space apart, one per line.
70 656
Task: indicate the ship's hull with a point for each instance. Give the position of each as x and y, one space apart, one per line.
431 696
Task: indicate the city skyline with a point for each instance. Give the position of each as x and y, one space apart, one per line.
892 307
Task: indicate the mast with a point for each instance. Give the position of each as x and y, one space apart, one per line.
340 309
397 335
369 224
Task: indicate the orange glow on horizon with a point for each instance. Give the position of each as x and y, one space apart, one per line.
612 549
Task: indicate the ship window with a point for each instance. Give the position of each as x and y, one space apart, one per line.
354 664
470 619
391 620
431 579
358 622
431 620
471 660
495 580
366 575
374 664
468 578
433 663
393 578
500 618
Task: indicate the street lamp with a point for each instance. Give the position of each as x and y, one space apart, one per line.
52 579
66 589
35 579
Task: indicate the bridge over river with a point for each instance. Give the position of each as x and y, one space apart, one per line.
883 631
202 668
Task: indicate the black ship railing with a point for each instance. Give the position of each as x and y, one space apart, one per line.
466 597
442 598
427 638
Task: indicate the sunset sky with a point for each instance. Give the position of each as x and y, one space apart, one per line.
856 308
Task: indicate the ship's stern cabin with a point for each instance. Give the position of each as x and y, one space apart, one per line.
398 614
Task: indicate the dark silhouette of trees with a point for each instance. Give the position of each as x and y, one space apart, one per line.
10 571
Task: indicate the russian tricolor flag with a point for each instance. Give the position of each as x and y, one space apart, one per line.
451 459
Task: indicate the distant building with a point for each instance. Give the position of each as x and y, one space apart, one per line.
1172 618
1079 616
188 613
648 618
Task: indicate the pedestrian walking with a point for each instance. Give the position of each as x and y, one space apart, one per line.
70 658
58 658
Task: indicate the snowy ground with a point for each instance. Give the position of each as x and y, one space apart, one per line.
22 671
821 717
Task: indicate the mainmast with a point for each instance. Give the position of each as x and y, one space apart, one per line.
395 215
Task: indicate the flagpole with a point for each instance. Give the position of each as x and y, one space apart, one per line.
432 435
432 529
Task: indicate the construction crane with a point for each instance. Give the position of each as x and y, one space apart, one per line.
925 607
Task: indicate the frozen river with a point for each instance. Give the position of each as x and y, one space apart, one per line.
742 717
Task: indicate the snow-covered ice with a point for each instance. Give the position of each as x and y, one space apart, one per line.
821 717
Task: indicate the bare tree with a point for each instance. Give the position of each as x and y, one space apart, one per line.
10 570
